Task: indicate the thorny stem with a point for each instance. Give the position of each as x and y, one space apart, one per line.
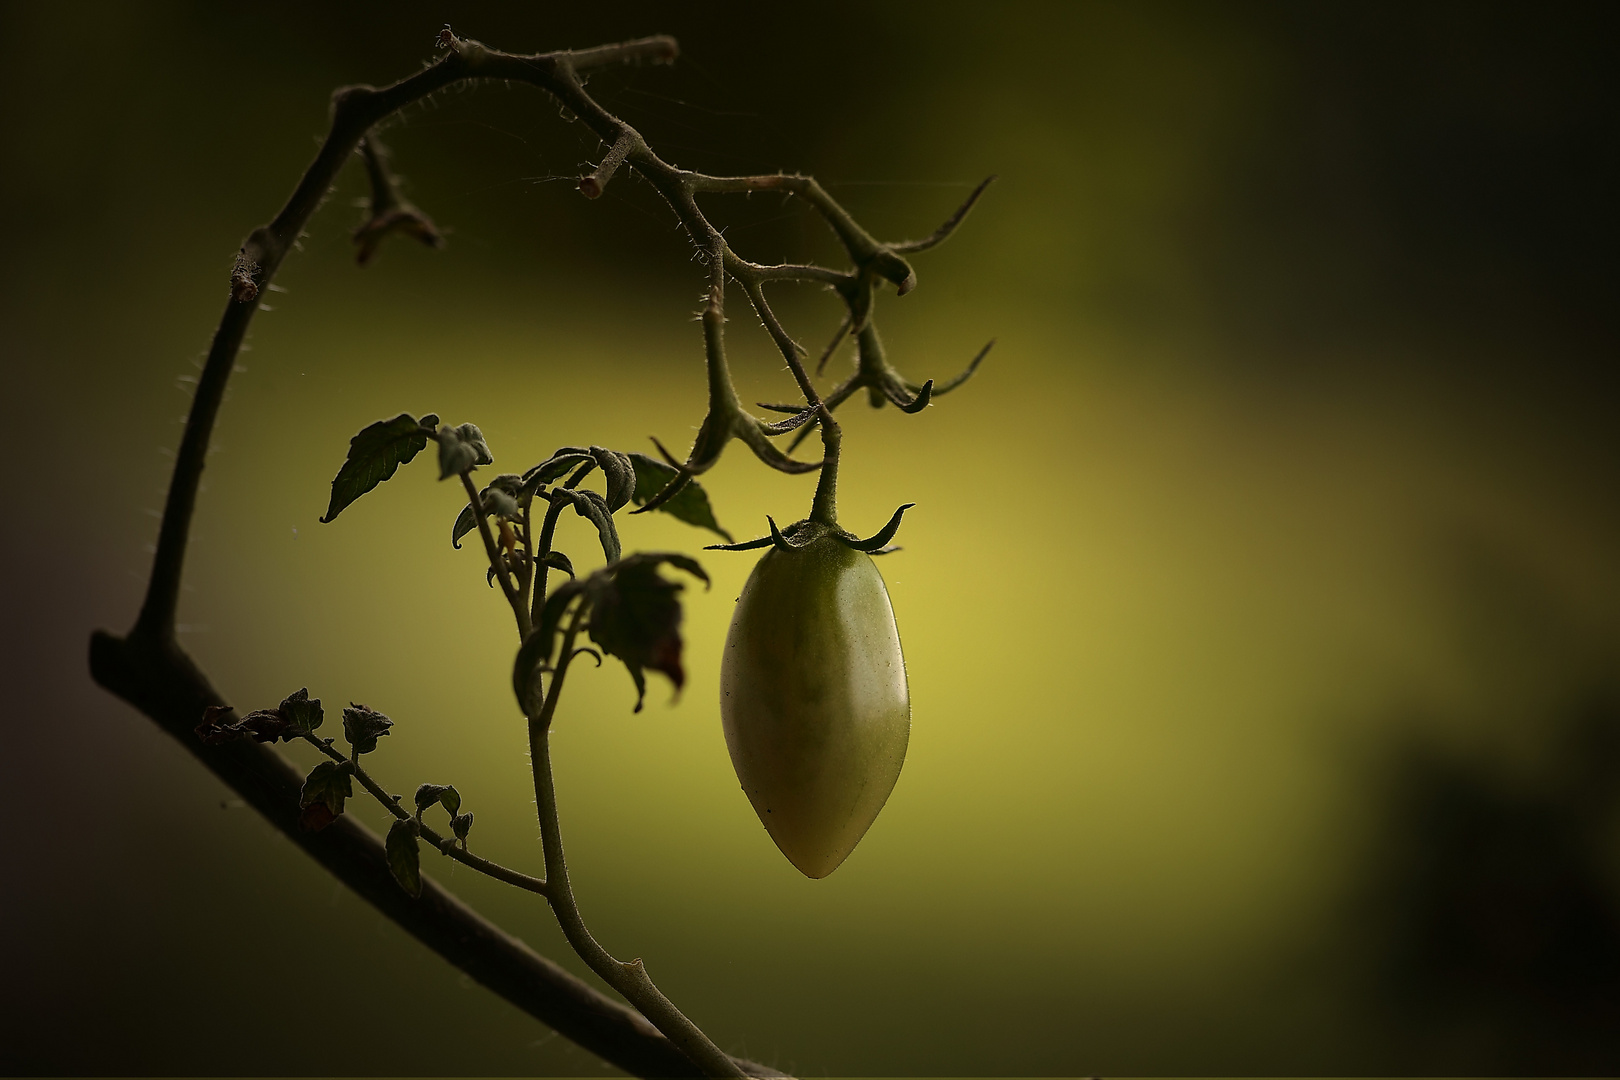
446 847
629 979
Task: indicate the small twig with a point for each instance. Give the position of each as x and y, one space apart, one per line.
447 848
390 211
592 185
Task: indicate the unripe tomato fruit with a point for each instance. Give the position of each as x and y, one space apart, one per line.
813 699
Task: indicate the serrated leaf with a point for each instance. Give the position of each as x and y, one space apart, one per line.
362 727
326 787
404 856
619 473
375 454
461 448
303 713
690 505
636 616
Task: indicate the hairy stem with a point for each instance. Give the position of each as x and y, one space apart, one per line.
629 979
519 611
825 507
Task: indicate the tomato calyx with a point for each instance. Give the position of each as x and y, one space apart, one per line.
803 533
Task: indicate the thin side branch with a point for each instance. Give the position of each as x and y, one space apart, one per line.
163 683
446 847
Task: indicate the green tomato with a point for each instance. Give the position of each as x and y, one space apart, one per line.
814 701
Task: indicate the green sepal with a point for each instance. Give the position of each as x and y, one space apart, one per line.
779 538
690 504
375 454
404 856
879 540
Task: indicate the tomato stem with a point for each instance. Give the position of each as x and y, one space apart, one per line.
825 507
629 979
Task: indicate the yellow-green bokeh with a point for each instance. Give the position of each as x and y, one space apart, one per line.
1168 593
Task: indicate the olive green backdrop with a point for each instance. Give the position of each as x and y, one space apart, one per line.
1261 603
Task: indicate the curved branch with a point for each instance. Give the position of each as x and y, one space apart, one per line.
162 682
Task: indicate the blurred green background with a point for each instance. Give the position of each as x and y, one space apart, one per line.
1261 603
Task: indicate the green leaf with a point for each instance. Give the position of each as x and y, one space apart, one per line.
321 800
374 455
691 505
558 561
466 522
363 727
620 475
558 464
461 448
461 825
428 794
451 798
636 615
404 856
303 713
592 507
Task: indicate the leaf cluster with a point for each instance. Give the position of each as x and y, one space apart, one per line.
297 715
628 609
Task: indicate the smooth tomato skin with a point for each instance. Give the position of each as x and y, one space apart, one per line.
814 701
